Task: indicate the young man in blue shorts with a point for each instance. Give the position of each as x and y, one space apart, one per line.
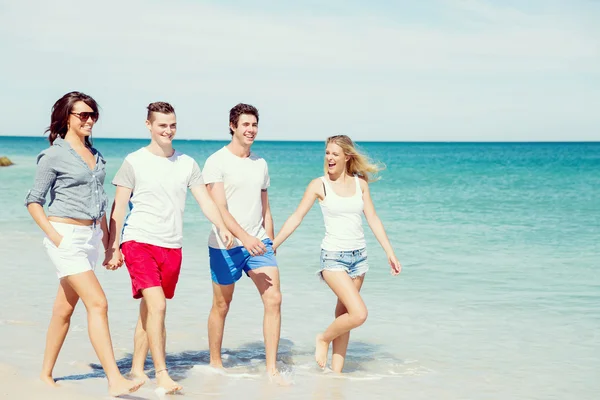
237 180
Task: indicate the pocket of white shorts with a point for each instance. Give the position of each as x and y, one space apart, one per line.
67 235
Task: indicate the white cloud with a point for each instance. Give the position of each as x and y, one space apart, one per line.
482 73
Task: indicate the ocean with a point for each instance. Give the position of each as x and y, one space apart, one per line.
498 297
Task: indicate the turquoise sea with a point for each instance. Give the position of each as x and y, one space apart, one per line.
499 297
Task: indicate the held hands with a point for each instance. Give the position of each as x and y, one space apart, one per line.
394 264
113 259
254 246
226 237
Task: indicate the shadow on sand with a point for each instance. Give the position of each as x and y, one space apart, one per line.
249 357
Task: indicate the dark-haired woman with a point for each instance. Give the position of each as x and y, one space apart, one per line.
75 226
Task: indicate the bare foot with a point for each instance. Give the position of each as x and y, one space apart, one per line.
49 380
123 386
138 375
275 377
321 351
164 382
217 364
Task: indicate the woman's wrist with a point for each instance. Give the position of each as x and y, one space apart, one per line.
57 238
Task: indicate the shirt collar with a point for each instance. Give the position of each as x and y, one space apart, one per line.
60 142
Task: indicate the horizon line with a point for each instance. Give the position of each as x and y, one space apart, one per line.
357 141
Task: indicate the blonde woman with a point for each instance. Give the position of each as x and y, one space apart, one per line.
343 193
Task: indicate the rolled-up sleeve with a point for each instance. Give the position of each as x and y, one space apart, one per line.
45 176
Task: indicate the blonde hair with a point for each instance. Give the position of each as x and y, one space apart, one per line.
359 163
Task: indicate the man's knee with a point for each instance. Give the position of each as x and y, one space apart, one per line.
157 308
272 299
155 303
221 305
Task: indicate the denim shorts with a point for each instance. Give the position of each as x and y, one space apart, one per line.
354 262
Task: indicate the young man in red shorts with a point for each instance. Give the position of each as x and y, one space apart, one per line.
155 179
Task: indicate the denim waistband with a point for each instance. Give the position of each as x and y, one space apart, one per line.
349 252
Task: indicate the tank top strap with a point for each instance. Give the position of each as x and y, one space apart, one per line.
326 182
326 187
358 189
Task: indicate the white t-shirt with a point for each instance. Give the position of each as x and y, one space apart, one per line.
243 180
159 186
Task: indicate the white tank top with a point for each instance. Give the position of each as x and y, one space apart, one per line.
343 219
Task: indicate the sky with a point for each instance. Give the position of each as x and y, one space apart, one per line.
429 70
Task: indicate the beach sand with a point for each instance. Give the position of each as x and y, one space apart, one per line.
15 385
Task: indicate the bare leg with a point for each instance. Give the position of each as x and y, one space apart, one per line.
156 305
140 345
340 343
88 288
266 280
347 293
222 296
64 305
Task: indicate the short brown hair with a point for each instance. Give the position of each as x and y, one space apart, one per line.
239 109
159 107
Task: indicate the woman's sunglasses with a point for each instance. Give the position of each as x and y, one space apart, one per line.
84 116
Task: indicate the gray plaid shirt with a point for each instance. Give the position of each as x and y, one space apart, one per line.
76 191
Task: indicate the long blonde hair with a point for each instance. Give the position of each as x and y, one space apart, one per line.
359 163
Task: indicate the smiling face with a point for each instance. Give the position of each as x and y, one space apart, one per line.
246 130
162 127
335 159
82 119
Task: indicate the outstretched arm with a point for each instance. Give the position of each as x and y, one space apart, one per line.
377 227
212 213
113 258
312 192
267 216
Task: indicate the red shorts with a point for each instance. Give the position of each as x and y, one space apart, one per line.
151 266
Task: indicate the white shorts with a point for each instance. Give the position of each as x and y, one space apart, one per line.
78 251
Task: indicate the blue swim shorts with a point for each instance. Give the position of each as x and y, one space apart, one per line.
226 266
353 262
